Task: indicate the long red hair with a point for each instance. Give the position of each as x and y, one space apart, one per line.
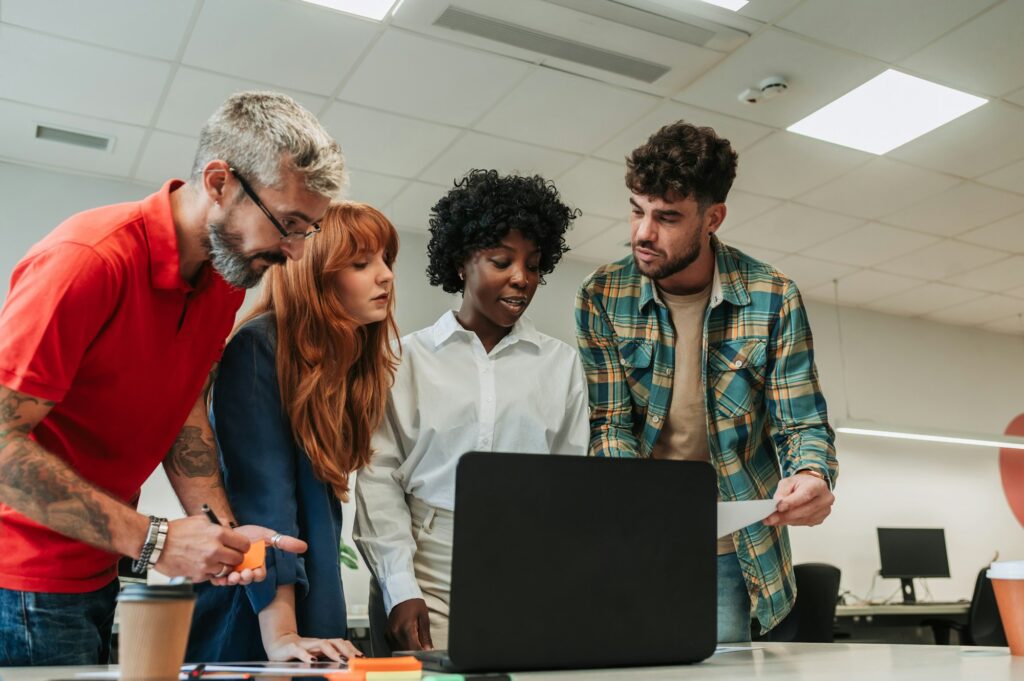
334 373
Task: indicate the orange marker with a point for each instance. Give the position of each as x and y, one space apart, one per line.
345 676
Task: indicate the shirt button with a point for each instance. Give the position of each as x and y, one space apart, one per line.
737 364
656 419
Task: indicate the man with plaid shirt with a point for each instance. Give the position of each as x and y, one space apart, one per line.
696 351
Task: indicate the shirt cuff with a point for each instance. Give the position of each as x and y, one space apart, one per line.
399 588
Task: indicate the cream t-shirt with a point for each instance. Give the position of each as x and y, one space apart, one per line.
684 435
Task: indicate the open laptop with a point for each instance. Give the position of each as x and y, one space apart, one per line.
565 562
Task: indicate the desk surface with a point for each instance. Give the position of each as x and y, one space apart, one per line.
926 609
772 661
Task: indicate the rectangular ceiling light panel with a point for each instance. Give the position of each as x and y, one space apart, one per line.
886 112
370 9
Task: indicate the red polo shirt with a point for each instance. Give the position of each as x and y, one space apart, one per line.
99 320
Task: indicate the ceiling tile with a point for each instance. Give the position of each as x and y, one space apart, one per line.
741 134
376 190
474 150
924 299
587 227
157 27
958 210
564 112
809 273
608 246
1005 235
18 141
1012 325
1010 178
768 10
866 286
997 277
411 208
385 143
816 76
194 95
941 261
983 55
431 79
990 137
768 256
166 156
880 187
870 244
597 188
76 78
289 44
791 228
785 165
1017 97
980 311
881 28
743 207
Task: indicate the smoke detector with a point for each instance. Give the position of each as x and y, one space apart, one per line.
770 87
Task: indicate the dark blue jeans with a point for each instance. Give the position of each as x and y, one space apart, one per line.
56 629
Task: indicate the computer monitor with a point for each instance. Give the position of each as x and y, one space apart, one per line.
909 552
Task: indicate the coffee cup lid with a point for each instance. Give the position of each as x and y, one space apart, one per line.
1006 569
156 592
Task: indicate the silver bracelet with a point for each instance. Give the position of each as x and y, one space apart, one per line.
158 546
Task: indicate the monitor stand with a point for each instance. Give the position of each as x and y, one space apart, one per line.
907 586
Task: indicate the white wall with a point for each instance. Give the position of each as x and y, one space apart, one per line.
898 371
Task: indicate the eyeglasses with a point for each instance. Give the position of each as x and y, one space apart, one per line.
291 237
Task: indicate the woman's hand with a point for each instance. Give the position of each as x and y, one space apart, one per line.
295 647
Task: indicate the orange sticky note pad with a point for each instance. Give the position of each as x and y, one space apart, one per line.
385 664
345 676
254 558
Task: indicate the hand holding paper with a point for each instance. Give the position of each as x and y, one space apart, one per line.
735 515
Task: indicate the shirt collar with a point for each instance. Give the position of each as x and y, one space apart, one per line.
158 223
448 326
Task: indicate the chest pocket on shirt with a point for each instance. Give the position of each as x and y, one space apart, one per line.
636 355
736 374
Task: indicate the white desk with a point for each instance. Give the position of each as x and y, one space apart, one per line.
917 609
772 661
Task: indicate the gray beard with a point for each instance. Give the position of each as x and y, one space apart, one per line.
234 267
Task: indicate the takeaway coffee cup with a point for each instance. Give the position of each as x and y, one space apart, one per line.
1008 582
154 630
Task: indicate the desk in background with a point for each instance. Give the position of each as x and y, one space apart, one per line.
898 623
770 661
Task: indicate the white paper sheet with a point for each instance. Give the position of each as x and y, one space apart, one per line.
735 515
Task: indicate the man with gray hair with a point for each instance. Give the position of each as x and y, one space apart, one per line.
110 330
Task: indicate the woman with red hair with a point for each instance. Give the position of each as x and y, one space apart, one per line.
302 386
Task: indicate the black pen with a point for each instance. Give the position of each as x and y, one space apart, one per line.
211 515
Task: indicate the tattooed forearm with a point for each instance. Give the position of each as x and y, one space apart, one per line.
44 488
192 455
10 405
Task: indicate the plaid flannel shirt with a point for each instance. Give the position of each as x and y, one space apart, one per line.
766 415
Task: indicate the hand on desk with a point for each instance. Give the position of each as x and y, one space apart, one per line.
295 647
803 500
409 625
198 549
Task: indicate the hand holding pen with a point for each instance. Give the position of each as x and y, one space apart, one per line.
201 549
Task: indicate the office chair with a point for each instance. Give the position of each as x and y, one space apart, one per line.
812 617
983 627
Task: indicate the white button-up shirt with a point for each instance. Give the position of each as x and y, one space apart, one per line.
529 395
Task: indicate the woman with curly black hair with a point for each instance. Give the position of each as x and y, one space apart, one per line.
480 379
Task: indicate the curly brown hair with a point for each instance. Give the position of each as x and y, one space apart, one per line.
683 161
